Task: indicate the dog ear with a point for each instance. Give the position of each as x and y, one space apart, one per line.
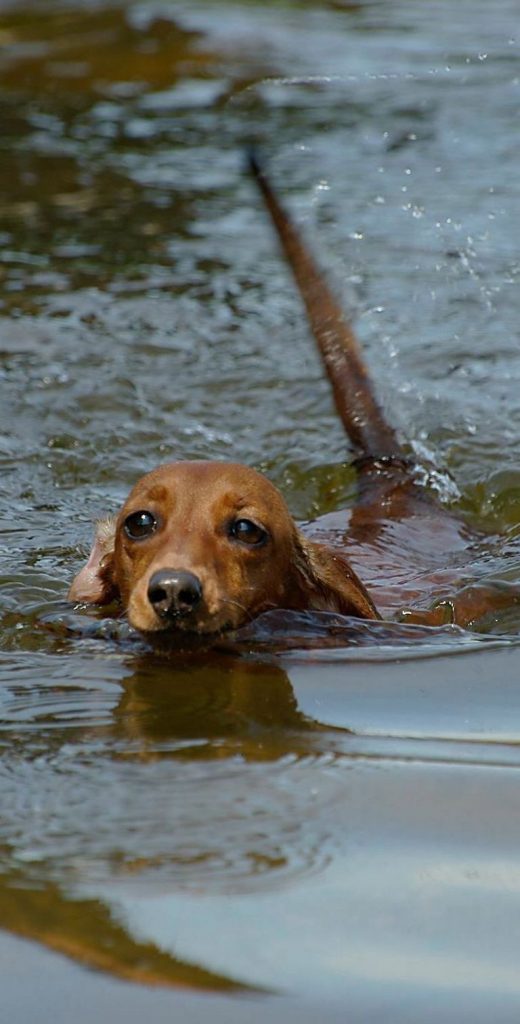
95 583
330 584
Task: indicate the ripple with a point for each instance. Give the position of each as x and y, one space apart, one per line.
325 634
38 693
73 816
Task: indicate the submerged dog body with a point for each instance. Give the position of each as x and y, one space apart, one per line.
204 547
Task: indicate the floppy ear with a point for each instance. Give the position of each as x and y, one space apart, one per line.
330 584
95 583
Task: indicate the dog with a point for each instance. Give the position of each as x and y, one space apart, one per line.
202 548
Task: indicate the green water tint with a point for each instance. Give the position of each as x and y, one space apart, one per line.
329 813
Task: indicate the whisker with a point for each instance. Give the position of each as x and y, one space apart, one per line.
229 600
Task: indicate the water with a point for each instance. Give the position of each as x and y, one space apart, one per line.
317 819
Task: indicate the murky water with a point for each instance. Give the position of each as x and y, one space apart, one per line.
289 832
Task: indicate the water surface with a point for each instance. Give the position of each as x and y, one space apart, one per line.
268 832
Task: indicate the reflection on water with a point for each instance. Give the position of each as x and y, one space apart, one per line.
322 808
146 809
86 931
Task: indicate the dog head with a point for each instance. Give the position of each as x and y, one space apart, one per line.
200 548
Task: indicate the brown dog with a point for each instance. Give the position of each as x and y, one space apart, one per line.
206 546
203 547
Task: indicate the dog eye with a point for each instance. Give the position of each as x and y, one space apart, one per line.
248 532
139 525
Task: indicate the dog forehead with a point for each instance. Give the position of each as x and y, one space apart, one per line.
206 482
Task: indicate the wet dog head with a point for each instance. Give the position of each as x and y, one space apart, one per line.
204 547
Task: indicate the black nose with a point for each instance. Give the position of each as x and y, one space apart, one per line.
174 592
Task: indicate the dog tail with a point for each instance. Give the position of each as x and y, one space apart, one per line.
374 439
